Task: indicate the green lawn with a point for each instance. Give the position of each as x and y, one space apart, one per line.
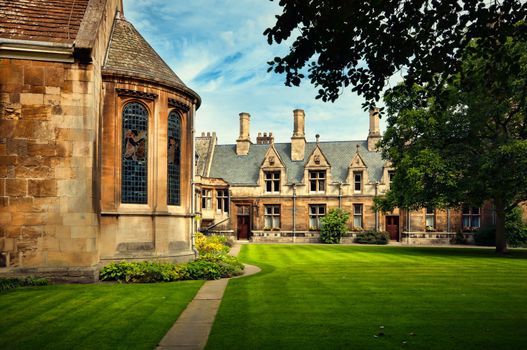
339 297
99 316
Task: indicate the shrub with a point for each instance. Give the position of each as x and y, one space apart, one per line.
11 283
209 267
515 231
143 271
333 226
373 237
211 244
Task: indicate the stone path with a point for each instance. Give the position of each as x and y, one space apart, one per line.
191 330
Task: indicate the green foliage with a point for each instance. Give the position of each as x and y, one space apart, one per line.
373 237
208 267
214 244
515 231
11 283
467 144
333 225
341 47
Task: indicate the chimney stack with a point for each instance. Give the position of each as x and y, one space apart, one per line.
374 136
298 140
244 141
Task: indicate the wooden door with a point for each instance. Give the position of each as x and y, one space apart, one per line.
243 227
392 227
244 222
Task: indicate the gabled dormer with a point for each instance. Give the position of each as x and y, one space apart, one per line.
317 171
272 172
388 172
357 173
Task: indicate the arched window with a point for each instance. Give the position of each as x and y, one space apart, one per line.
134 184
174 158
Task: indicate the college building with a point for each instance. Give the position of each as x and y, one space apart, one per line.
96 142
267 191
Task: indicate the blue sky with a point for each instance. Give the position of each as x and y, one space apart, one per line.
217 48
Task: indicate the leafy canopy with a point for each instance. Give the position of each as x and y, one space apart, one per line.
361 44
467 143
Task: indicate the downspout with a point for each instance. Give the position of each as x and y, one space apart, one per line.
376 211
448 220
409 227
193 185
340 195
294 212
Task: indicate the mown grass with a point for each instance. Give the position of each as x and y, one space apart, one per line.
100 316
343 297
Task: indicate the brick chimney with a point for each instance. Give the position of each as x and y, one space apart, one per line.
244 141
265 139
298 140
374 135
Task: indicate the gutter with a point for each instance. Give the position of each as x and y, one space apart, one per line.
36 50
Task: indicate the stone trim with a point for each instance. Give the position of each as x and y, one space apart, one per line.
135 93
172 102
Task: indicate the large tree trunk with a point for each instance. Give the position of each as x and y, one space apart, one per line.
501 241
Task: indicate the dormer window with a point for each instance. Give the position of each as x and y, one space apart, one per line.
357 181
317 181
391 174
272 181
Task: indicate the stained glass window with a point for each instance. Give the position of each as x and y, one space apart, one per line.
134 184
174 158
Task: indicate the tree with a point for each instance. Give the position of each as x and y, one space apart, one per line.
363 43
467 143
333 225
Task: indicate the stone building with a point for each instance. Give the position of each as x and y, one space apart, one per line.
96 143
267 191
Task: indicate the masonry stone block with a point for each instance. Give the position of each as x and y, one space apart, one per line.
34 75
31 99
42 188
16 187
54 76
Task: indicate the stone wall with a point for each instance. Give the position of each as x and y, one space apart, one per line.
47 137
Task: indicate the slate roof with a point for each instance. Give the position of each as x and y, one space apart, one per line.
244 169
41 20
204 147
130 54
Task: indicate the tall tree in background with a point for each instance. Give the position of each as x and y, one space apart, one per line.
467 143
361 44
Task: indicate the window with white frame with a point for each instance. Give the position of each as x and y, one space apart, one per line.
430 219
357 181
206 199
272 181
317 180
272 216
316 212
222 199
357 216
471 217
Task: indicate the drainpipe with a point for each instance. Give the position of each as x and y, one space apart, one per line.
340 195
294 212
409 227
376 184
193 185
448 228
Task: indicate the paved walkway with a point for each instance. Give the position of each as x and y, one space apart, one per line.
191 330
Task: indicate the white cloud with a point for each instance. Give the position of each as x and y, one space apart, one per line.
217 48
